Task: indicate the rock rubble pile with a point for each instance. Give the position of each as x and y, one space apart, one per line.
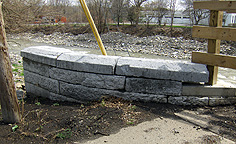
173 47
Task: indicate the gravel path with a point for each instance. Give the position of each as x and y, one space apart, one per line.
178 48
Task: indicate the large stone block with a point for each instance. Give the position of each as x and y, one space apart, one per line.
41 81
188 100
162 69
83 93
34 90
141 97
43 54
88 63
80 92
163 87
88 79
35 67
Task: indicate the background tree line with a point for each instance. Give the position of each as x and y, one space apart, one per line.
18 13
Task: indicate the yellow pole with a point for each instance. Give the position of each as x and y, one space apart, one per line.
93 27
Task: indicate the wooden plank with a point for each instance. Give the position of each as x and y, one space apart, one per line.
214 59
231 11
216 5
216 19
214 33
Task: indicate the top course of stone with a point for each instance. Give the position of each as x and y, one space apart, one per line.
114 65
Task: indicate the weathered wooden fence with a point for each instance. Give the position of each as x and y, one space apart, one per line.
215 33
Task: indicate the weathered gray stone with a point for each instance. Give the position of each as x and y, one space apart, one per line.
141 97
88 63
188 100
215 101
20 94
35 67
43 54
142 85
80 92
83 93
41 81
162 69
88 79
34 90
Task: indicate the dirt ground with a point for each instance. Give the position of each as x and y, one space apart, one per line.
46 121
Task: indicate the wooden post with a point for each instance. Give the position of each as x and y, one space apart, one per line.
216 18
8 98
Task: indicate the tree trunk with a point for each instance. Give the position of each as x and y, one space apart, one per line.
137 13
159 22
118 21
8 98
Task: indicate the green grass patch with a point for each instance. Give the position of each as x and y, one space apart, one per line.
134 107
14 128
56 104
179 26
38 103
22 74
130 123
66 134
15 70
17 65
103 103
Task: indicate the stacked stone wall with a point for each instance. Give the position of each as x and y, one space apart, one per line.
64 75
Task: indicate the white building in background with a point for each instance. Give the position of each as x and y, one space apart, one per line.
181 18
230 19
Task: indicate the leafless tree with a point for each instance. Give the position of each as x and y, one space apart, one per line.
137 9
20 12
196 15
172 11
157 9
119 10
99 10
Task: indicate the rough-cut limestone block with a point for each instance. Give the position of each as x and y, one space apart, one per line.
162 69
35 67
88 63
214 101
142 85
80 92
141 97
43 54
41 81
88 79
188 100
83 93
34 91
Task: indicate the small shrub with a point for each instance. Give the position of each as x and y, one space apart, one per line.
38 103
14 128
65 134
103 103
56 104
